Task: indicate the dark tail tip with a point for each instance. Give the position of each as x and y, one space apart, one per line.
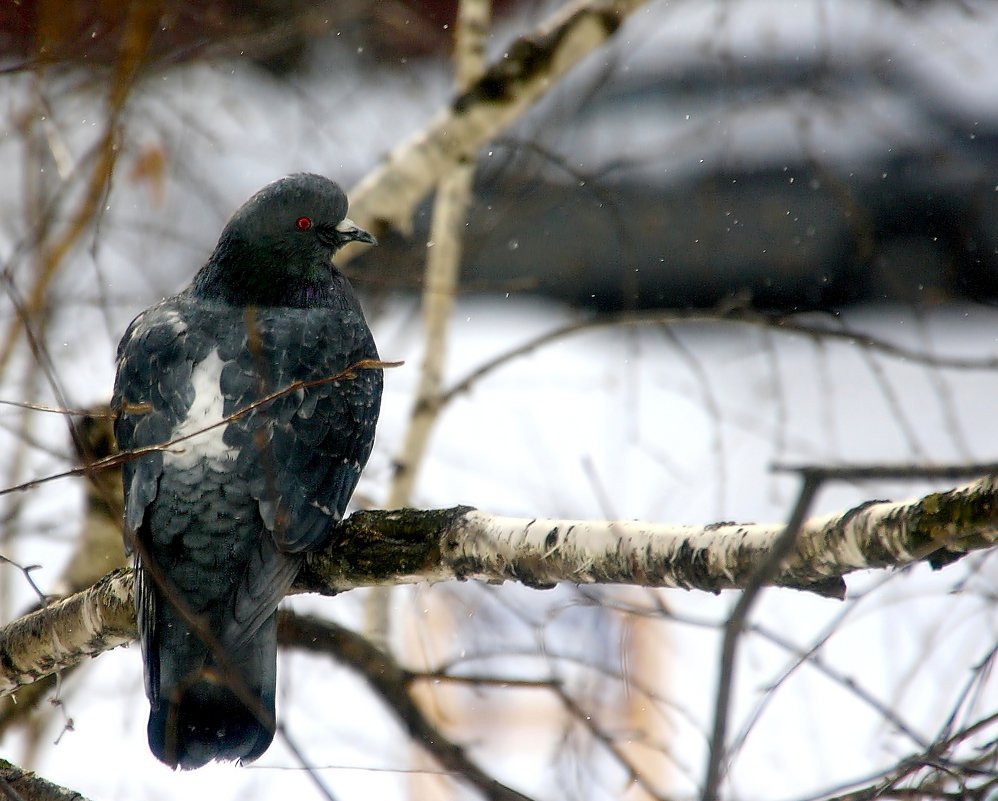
209 723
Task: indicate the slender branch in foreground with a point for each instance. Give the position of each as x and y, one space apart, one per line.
761 576
409 546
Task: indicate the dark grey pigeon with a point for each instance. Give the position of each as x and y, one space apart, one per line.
221 520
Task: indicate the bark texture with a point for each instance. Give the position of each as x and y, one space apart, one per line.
405 546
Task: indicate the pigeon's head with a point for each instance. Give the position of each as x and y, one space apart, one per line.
279 245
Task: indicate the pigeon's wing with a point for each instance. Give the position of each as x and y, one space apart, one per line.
303 426
323 447
313 436
152 393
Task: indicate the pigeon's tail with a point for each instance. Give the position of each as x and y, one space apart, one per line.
202 718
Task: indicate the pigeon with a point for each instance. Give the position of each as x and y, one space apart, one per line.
249 403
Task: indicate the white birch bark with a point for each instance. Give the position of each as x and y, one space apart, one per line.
65 632
407 546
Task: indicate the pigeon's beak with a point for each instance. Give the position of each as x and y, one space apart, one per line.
349 231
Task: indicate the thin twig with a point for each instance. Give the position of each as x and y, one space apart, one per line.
731 317
26 571
886 472
391 682
40 407
313 774
115 460
608 742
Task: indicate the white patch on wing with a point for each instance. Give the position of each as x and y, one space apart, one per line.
173 319
157 316
322 508
206 410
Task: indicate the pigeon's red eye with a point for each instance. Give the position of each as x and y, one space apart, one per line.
303 223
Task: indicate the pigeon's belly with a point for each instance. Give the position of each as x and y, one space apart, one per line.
202 423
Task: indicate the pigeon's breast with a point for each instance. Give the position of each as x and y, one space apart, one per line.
201 430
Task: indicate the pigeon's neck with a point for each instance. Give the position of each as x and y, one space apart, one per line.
294 293
240 281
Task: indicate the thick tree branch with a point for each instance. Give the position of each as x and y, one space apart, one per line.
464 543
98 545
409 546
23 785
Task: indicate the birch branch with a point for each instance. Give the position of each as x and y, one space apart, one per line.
534 63
23 785
381 548
64 633
443 260
443 268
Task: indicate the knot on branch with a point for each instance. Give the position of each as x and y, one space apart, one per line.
376 547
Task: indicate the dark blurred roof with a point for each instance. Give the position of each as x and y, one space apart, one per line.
793 177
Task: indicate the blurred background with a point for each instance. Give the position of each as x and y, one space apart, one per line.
742 232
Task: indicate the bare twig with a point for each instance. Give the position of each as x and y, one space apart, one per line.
26 571
730 317
760 577
885 472
41 407
609 743
117 459
392 684
313 774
